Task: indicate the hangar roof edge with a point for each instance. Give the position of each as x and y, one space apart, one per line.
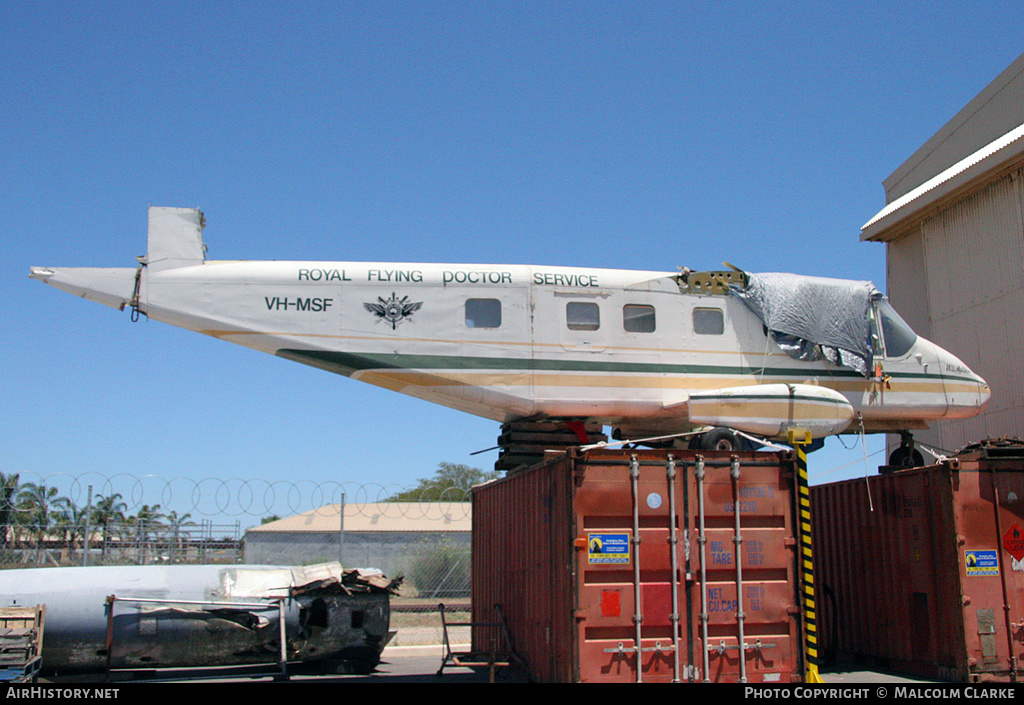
999 153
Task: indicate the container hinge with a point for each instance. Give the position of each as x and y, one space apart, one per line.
756 646
658 646
620 649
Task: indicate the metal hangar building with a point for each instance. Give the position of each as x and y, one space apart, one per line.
953 228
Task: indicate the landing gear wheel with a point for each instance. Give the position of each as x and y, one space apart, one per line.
721 439
906 456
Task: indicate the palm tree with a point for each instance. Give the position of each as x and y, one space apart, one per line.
70 521
176 521
146 521
34 505
108 511
8 488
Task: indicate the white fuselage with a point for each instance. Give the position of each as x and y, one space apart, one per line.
646 352
501 341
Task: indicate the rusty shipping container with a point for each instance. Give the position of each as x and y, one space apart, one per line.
590 554
920 570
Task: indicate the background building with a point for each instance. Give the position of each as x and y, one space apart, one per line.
954 235
426 542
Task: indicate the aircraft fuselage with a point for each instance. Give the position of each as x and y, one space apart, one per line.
627 348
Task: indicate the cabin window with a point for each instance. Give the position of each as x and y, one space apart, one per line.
637 318
582 315
708 321
483 313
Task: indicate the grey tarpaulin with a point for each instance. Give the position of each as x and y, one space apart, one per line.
813 317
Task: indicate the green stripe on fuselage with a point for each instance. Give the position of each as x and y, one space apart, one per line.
349 363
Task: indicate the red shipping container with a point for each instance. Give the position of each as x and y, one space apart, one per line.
588 555
921 570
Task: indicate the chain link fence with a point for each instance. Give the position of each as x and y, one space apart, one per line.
119 543
62 520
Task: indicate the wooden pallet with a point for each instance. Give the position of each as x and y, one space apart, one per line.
21 643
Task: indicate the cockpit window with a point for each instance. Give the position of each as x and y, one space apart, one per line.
897 336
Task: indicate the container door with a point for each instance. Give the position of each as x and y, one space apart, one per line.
751 630
661 552
1010 494
992 571
625 515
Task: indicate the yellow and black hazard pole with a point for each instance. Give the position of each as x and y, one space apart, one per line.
799 439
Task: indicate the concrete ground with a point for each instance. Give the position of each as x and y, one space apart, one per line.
420 664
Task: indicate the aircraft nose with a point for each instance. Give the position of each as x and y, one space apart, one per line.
984 393
967 392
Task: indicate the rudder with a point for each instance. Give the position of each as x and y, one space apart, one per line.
175 238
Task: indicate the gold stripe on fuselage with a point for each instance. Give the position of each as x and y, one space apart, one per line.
625 380
398 379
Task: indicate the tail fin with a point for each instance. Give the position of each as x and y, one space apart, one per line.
175 238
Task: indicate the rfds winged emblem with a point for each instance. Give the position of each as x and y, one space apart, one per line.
393 310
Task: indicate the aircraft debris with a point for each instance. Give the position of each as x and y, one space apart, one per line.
156 616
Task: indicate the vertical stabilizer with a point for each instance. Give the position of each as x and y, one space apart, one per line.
175 238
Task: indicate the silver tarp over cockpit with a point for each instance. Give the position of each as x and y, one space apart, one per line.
813 318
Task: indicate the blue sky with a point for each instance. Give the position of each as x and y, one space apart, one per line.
629 135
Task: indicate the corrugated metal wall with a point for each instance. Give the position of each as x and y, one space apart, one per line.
522 561
917 570
959 279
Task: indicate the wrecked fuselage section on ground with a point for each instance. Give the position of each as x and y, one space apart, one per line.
125 617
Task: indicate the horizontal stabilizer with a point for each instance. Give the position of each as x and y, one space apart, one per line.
110 286
175 238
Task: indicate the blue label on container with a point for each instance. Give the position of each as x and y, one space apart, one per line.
981 563
608 549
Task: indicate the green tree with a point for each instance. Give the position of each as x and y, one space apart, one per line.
108 512
70 521
146 525
36 512
451 483
175 540
175 520
147 518
8 490
36 507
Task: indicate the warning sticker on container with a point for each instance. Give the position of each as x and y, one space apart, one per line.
1013 542
980 563
608 549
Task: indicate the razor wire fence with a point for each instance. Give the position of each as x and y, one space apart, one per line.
92 520
424 537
